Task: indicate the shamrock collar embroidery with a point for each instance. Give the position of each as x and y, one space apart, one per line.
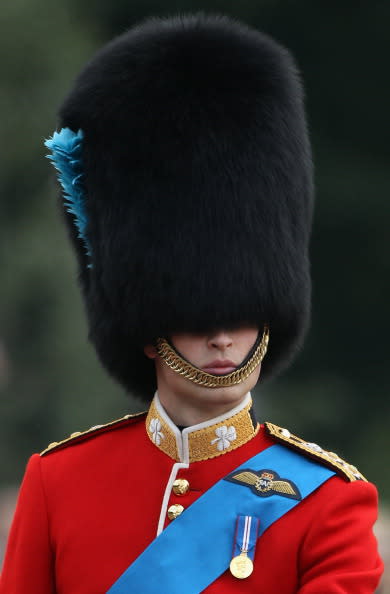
205 440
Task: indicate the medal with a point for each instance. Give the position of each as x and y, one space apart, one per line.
246 533
241 566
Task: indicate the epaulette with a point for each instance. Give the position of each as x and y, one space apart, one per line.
91 432
314 451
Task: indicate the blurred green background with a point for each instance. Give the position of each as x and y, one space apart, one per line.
336 392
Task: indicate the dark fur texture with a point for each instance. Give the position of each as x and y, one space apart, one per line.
199 190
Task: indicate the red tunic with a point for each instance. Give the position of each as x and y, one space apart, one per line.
90 507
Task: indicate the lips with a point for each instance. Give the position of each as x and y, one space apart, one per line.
220 367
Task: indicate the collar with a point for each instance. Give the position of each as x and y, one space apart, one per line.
203 441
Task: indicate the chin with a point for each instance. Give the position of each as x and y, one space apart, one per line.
201 397
224 395
231 394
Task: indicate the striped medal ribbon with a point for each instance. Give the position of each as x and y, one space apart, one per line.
245 538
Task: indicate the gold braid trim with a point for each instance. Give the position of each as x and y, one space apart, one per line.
197 376
312 450
77 436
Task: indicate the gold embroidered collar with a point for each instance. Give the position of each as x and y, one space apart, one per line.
205 440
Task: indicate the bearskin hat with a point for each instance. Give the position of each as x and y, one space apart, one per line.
198 190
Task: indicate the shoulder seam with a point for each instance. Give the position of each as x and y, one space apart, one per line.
80 435
312 450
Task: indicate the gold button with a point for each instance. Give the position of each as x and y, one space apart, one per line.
75 434
174 511
53 444
180 486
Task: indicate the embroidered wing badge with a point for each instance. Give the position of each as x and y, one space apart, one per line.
265 483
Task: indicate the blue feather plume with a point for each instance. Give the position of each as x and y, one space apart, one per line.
66 156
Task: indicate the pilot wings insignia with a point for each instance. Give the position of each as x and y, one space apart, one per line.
265 483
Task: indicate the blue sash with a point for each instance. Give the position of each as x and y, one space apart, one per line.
196 548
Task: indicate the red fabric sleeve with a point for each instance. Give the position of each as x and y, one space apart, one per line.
339 555
28 564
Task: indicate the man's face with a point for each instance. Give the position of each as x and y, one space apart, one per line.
218 352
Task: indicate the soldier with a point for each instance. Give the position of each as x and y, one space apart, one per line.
187 180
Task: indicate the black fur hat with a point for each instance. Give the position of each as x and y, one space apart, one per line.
198 180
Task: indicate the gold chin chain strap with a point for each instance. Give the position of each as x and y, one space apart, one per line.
197 376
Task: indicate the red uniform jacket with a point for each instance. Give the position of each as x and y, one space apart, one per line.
90 505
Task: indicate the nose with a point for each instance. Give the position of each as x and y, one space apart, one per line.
220 340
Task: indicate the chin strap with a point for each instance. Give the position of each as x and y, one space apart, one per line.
184 368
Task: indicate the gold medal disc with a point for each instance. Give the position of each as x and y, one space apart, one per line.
241 566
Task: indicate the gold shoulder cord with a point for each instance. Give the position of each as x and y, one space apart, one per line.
313 450
77 436
197 376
